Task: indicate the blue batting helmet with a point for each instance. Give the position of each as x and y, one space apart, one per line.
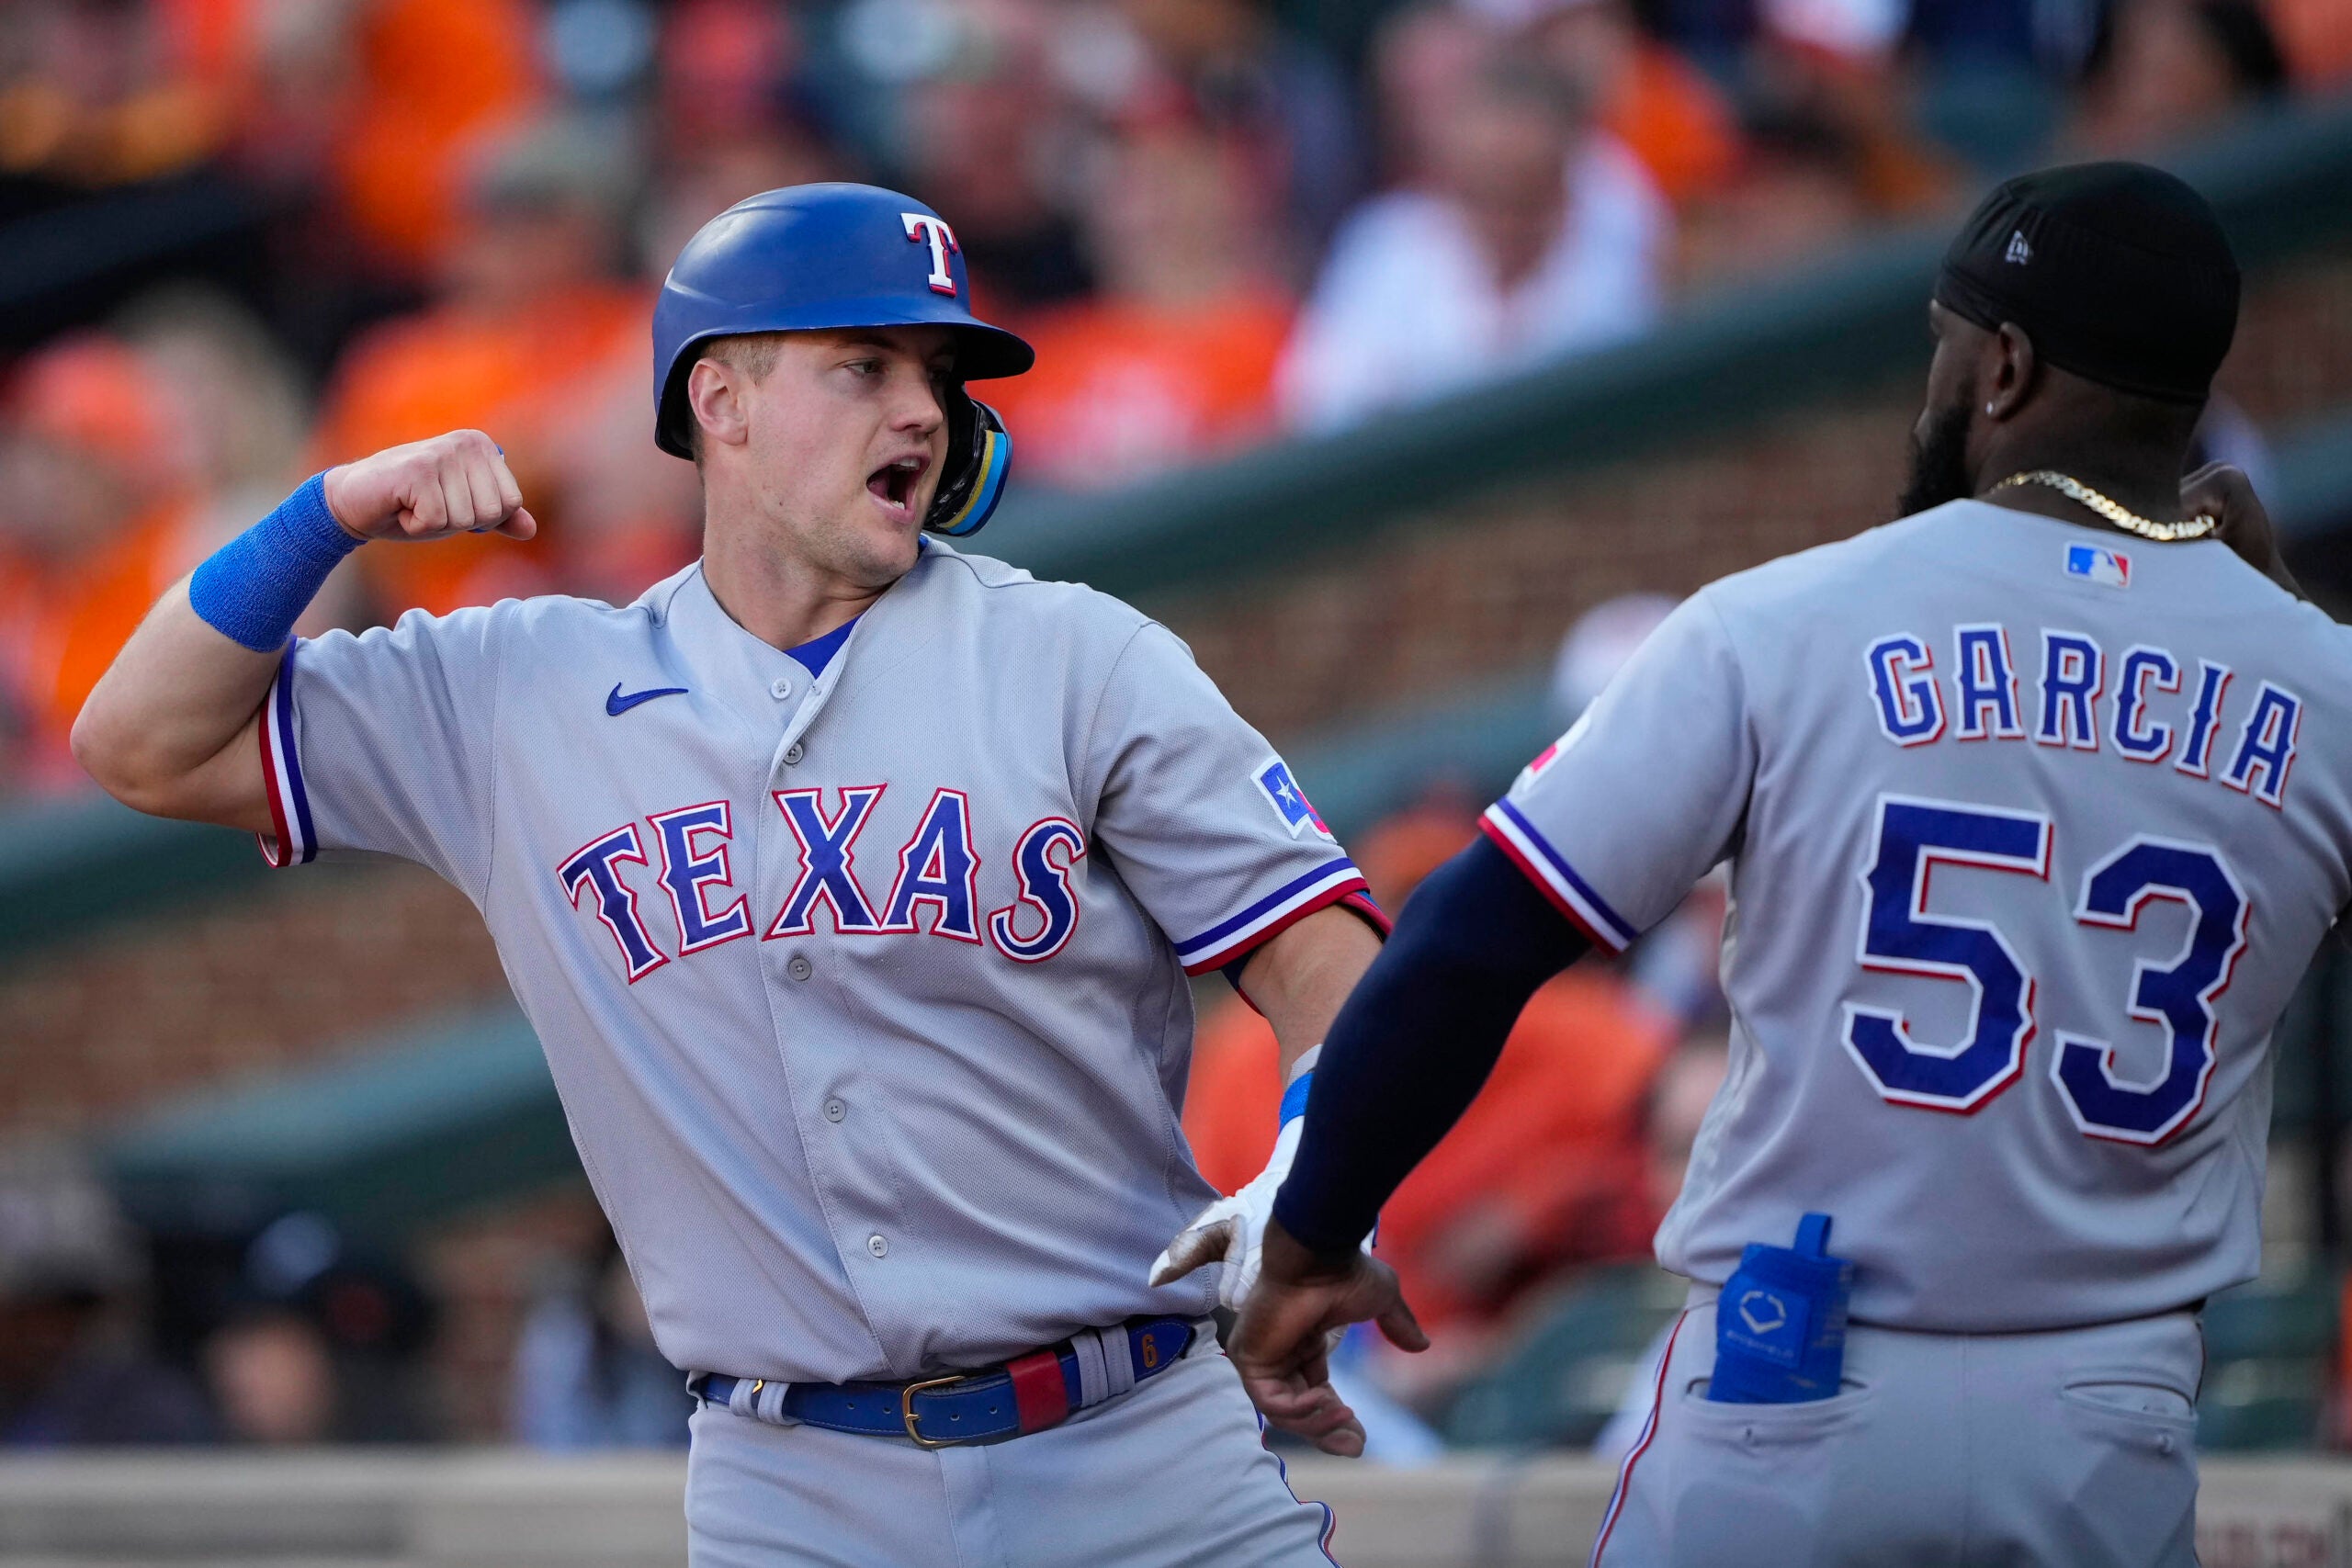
810 257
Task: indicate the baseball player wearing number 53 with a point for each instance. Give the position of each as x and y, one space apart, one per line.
2037 803
851 883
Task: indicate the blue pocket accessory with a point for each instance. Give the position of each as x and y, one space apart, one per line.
1780 1325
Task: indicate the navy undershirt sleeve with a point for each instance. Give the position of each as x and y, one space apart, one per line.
1414 1044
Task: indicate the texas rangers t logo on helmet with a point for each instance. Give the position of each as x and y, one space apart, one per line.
922 226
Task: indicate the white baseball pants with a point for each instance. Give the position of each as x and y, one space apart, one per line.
1172 1474
2073 1449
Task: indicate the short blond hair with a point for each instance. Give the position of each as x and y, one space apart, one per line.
754 353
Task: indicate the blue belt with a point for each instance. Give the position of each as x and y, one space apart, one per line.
989 1405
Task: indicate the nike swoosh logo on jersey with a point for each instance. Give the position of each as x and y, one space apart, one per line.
615 704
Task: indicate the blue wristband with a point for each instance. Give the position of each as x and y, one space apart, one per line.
253 589
1295 1099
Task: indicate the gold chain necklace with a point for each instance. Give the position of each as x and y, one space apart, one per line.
2115 511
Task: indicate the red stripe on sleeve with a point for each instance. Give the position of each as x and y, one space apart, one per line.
1353 887
1359 903
279 854
1544 886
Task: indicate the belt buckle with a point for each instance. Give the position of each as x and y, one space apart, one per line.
906 1408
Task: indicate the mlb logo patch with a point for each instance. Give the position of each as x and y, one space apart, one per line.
1289 801
2097 563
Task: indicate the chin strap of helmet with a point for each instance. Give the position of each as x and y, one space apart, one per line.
972 482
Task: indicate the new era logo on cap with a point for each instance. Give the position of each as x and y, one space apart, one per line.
2019 252
2097 563
1289 801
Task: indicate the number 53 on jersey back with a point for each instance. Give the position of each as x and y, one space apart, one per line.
2044 853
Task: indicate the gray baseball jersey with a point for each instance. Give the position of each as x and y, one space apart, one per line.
865 991
2030 840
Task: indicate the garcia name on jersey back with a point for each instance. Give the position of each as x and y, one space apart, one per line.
2077 709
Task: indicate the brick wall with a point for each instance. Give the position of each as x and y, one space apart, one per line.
1494 590
2292 357
151 1010
1353 632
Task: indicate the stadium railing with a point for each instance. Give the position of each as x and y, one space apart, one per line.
475 1508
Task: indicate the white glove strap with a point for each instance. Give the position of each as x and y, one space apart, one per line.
1247 1211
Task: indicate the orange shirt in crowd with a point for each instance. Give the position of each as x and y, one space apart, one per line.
110 593
1676 123
66 623
1121 389
1547 1167
213 40
450 370
2317 38
68 605
434 77
142 101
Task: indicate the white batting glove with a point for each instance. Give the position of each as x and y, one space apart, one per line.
1233 1230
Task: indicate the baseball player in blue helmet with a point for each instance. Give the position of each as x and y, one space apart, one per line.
851 883
2037 804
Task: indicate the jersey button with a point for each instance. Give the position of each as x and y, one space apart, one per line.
799 968
835 1109
781 690
876 1246
792 755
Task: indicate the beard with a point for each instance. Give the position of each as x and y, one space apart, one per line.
1938 464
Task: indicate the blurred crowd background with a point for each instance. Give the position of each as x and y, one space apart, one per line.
1218 220
1222 222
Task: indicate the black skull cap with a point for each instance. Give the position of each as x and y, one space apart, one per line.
2118 272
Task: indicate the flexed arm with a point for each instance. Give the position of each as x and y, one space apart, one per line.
170 728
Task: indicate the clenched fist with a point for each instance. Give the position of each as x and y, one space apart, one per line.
457 483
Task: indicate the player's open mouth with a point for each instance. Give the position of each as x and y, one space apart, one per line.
893 484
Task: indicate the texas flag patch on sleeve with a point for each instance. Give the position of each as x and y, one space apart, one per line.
2109 568
1289 801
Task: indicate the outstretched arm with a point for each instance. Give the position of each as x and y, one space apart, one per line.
1409 1053
1417 1038
1597 840
170 730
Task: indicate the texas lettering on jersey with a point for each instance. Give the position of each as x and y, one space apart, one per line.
2080 696
934 886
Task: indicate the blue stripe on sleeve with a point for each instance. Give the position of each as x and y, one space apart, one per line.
1624 927
293 757
1292 889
